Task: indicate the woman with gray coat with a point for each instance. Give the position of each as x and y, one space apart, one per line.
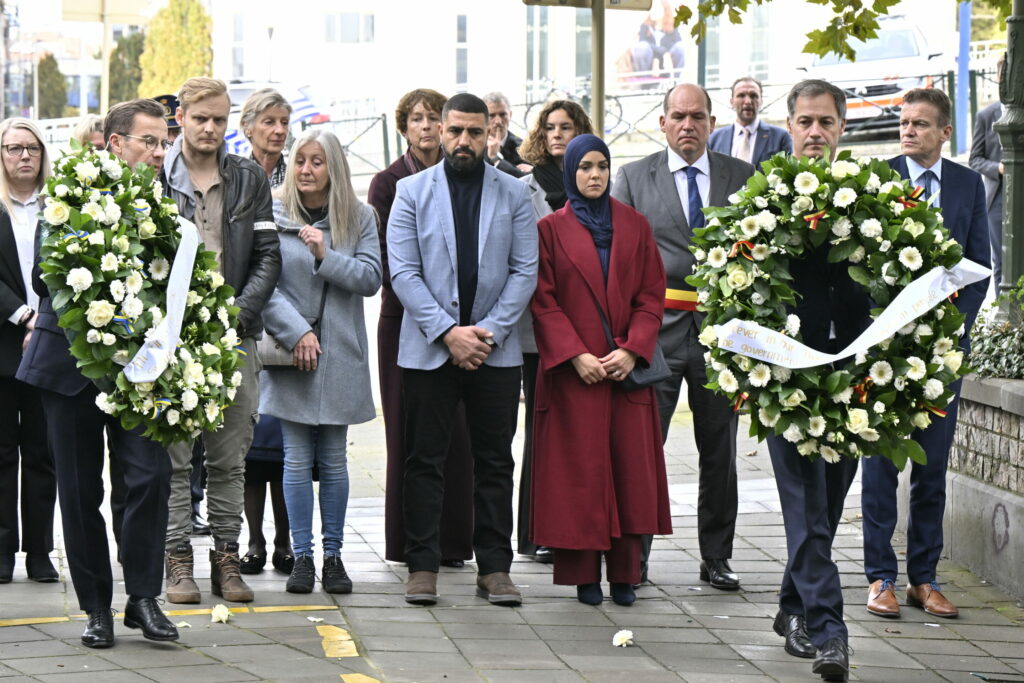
330 263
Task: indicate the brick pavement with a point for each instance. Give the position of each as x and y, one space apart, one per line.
683 629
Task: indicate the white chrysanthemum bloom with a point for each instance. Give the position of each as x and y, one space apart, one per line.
94 211
132 307
93 336
816 425
236 378
881 373
86 172
782 189
79 279
157 315
756 298
932 389
193 298
108 262
942 345
727 380
918 368
121 244
760 252
879 407
699 255
96 239
761 202
953 360
841 228
921 420
857 256
910 257
760 375
222 315
111 214
871 227
133 283
159 269
794 399
900 383
907 329
56 213
781 374
857 420
873 183
844 196
923 330
230 391
805 183
100 312
709 336
793 433
807 447
204 314
749 227
212 411
766 418
108 339
767 220
193 374
104 403
702 296
884 245
121 357
792 324
829 454
869 434
802 205
172 416
189 399
112 168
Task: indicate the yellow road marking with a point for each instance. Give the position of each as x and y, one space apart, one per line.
28 621
358 678
337 642
32 620
295 608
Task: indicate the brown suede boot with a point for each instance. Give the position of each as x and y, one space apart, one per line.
226 575
181 587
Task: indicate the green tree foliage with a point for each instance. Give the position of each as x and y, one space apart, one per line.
178 46
53 88
125 69
851 19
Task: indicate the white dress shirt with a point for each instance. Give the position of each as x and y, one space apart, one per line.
737 140
677 167
914 170
24 216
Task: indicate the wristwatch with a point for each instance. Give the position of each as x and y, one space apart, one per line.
26 316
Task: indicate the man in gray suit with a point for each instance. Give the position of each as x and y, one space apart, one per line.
987 159
462 247
670 188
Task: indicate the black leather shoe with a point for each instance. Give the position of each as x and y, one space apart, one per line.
40 569
544 555
833 662
454 564
6 568
145 613
792 628
200 527
99 632
719 574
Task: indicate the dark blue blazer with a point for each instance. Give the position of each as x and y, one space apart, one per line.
768 141
965 215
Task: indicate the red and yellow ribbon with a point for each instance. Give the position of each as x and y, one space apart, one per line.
681 299
814 218
739 247
909 203
740 400
861 389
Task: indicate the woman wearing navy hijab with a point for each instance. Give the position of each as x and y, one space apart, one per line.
599 473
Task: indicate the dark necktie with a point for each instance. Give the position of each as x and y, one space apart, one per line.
925 181
696 216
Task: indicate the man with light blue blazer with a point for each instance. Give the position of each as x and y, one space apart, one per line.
749 139
462 247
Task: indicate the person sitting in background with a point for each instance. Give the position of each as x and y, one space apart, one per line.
330 263
558 123
89 131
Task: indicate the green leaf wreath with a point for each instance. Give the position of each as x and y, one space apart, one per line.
869 404
109 242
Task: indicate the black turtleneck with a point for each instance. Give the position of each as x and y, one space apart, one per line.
465 189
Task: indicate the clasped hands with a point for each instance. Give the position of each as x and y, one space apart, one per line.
468 346
615 366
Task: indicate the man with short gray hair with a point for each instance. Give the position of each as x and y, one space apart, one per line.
502 144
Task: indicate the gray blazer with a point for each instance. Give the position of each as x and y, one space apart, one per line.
648 187
987 151
338 391
424 271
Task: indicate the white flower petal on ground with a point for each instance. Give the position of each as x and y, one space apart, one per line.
220 613
623 638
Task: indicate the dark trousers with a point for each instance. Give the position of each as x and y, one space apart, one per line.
531 361
75 427
23 442
812 495
578 567
927 505
995 234
491 399
714 431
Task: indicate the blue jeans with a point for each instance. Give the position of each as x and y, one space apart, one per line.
324 445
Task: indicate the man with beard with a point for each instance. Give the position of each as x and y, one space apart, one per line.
462 248
749 139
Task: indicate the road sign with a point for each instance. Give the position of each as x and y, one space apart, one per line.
642 5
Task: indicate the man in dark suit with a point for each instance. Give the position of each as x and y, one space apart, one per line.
810 615
925 125
502 144
134 131
22 426
749 139
987 159
670 188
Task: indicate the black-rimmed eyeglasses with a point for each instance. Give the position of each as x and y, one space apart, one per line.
15 151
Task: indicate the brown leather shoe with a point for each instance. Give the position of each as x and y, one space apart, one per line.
181 586
421 588
498 588
226 573
928 597
882 600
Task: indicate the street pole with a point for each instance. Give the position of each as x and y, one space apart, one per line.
597 67
105 62
1011 134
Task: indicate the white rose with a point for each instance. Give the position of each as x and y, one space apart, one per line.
794 399
857 256
802 205
709 336
108 339
193 374
93 336
99 313
192 299
216 280
121 357
74 248
760 202
79 279
172 417
953 360
97 239
756 298
921 420
56 213
766 418
210 350
738 278
147 229
782 189
61 190
857 420
879 407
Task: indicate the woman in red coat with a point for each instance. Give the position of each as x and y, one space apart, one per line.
599 472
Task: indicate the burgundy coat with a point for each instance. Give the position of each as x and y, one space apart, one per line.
598 464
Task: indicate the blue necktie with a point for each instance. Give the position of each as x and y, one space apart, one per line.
696 216
925 181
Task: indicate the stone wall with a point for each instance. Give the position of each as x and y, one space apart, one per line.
989 446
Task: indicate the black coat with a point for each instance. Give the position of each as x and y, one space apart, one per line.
12 297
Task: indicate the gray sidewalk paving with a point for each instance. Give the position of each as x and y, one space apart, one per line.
683 629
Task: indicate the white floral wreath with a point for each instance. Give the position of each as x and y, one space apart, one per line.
873 221
109 242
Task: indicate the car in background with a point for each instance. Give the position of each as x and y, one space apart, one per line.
898 59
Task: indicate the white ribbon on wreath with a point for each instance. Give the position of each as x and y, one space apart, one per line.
916 299
152 359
